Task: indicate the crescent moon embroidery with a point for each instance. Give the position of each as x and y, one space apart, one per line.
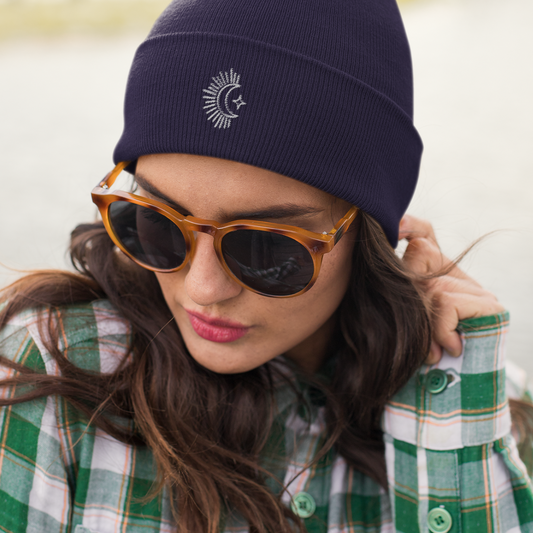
218 103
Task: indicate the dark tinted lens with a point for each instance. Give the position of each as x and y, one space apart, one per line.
148 236
268 262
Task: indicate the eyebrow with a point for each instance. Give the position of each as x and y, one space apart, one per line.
274 212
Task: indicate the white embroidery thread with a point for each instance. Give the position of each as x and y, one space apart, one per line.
218 102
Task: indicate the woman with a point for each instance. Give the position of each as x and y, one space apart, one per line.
242 350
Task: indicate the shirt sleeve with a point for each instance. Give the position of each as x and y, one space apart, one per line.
43 442
34 488
452 462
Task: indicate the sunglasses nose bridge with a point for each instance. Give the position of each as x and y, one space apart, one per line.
201 227
196 226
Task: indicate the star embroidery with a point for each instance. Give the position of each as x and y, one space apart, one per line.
239 102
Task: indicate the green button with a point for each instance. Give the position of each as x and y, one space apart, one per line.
436 381
303 505
439 520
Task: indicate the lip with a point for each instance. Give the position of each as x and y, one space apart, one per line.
216 329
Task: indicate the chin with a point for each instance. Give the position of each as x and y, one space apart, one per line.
230 368
227 364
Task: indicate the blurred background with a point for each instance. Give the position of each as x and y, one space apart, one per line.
63 70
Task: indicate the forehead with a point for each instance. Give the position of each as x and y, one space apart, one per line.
200 180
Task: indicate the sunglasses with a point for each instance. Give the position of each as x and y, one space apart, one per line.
274 260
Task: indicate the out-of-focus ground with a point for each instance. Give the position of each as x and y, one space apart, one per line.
61 92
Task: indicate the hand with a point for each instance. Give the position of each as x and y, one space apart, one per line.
452 297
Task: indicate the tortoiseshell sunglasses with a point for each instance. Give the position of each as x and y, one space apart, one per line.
271 259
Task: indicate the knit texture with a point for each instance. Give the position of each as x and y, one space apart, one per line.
320 91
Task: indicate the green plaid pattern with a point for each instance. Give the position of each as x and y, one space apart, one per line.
453 449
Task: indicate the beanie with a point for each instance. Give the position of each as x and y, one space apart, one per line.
317 90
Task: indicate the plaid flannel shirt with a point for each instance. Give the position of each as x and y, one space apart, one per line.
449 452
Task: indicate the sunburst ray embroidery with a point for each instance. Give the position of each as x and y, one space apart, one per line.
220 108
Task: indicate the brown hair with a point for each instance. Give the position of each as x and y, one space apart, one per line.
207 430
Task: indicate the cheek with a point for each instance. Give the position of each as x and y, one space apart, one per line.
171 285
335 272
308 312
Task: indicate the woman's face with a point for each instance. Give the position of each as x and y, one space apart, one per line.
255 328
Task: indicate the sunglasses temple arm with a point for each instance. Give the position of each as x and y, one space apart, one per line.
112 176
344 223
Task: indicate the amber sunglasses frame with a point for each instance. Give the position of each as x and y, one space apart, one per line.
317 244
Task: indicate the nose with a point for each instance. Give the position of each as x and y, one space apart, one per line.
206 281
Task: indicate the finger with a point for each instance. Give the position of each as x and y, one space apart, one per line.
451 342
450 308
450 283
423 257
445 319
435 354
457 273
413 227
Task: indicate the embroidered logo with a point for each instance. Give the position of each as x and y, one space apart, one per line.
220 105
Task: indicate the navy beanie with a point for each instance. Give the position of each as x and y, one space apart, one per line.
317 90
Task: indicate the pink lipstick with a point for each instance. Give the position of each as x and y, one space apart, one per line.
216 329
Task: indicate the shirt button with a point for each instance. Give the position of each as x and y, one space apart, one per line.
439 520
436 381
303 505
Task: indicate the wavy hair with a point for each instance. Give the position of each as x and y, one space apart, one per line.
206 430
